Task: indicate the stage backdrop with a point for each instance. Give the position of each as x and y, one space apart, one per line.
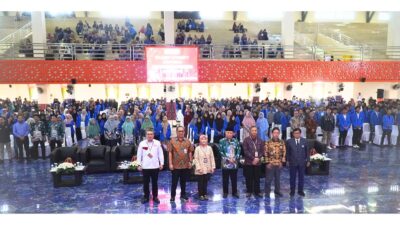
210 71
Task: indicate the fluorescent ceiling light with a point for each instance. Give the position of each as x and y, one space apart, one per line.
59 13
125 13
211 15
384 16
264 15
334 16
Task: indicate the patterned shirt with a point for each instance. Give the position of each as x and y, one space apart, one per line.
229 149
275 152
180 153
38 131
56 131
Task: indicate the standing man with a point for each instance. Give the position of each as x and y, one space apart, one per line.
21 131
253 148
5 131
327 126
151 160
38 134
297 157
180 153
275 156
56 133
375 118
357 120
344 126
229 148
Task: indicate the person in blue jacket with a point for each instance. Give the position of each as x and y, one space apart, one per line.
165 132
101 120
344 123
357 120
262 127
157 127
387 123
398 125
197 130
375 118
209 125
219 128
285 122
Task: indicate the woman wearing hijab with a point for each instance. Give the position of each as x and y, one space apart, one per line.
219 128
69 130
93 132
128 128
209 125
146 125
248 122
186 121
111 130
262 127
197 130
101 120
138 127
165 135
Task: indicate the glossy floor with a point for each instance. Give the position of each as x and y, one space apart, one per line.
360 182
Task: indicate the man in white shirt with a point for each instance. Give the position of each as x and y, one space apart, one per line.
151 159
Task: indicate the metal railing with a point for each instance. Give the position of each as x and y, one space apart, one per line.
15 37
67 51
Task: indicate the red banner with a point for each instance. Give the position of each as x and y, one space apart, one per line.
210 71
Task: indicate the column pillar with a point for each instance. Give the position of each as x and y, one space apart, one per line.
38 33
287 29
169 27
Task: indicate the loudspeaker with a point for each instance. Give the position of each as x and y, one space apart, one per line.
289 87
257 87
396 87
165 88
363 79
90 85
73 81
10 86
265 80
380 93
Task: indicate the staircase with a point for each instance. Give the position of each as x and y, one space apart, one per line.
10 41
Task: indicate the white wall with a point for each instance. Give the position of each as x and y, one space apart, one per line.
84 92
212 90
17 90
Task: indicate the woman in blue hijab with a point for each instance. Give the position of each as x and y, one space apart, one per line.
262 127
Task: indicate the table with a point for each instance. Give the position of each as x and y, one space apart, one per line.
127 177
321 169
68 180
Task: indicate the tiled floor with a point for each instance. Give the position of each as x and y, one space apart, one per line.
360 182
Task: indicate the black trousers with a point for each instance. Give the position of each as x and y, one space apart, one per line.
103 139
388 134
372 133
182 175
342 137
153 175
78 133
252 176
272 174
112 143
202 182
357 136
35 153
297 172
23 144
53 144
232 175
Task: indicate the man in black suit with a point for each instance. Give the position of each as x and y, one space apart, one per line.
297 157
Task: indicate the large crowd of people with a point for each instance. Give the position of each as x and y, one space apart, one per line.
240 127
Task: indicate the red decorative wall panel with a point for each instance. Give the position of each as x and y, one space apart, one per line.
40 71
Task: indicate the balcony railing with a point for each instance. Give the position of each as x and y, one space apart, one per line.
67 51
